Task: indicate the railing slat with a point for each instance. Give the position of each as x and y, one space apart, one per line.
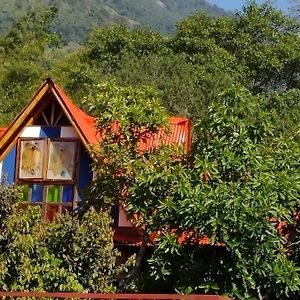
64 295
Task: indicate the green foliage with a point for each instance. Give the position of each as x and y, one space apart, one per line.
242 178
26 263
238 78
8 198
24 51
285 110
238 179
69 254
144 57
86 248
257 48
263 42
253 177
124 117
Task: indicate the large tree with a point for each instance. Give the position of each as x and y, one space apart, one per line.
234 190
257 48
25 51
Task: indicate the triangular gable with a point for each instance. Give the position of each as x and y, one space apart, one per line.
82 123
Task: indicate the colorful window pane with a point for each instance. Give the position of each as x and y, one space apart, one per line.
52 199
26 193
53 193
37 191
51 212
67 193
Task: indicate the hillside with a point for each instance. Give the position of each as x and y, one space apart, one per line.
76 17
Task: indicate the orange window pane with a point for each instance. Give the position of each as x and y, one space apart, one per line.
51 212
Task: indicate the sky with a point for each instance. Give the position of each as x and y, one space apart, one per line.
238 4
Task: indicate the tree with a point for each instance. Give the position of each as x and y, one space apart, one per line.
126 116
26 50
262 41
238 183
245 181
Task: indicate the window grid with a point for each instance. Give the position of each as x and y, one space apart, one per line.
52 199
56 194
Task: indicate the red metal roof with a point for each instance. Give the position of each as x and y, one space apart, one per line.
180 128
84 122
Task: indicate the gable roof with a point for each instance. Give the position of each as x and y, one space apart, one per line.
83 124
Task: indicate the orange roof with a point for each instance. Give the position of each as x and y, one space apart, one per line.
85 124
180 127
2 129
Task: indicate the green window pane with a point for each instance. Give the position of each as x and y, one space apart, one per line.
26 192
53 193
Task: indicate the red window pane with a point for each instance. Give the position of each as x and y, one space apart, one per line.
51 212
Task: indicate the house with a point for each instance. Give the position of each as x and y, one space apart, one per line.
45 150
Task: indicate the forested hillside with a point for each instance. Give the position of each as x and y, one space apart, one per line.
75 18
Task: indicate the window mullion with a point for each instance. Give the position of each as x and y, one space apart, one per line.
44 204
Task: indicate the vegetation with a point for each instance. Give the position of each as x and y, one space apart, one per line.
26 51
69 254
238 79
239 181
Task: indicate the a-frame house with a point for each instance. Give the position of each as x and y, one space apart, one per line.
46 148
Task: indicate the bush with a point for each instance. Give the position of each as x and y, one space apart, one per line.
69 254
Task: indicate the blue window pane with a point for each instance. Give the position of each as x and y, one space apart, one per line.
68 193
37 193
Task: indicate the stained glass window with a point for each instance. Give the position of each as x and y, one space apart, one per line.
51 198
47 173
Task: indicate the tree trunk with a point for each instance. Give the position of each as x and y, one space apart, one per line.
136 268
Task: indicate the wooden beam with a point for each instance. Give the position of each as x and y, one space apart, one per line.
13 131
45 118
66 295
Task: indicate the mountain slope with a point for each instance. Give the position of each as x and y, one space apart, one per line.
76 17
